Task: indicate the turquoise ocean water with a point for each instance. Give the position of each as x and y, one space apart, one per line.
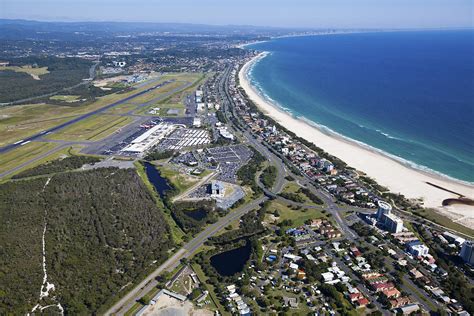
408 94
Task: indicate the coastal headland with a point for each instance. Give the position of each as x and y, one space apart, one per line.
398 177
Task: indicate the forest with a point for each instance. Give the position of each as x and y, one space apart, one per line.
103 233
63 73
193 216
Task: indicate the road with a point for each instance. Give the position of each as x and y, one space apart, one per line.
127 301
228 107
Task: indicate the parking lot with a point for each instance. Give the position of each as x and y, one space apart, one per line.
185 138
230 159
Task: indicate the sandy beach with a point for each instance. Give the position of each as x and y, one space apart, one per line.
398 177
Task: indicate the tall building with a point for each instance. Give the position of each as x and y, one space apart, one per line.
389 221
384 208
393 223
467 252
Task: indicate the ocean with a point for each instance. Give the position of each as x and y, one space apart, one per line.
409 95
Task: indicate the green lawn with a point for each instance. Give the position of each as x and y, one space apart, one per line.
23 154
93 128
438 218
297 216
34 72
65 98
181 181
293 187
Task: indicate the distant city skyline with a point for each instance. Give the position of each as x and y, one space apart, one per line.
277 13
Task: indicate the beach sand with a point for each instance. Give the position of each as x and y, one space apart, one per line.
399 178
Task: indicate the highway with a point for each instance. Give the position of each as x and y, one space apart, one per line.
145 286
332 207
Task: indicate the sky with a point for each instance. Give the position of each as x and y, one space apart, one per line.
280 13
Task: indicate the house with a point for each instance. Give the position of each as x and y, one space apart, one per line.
399 302
408 309
389 293
327 276
415 273
290 301
363 302
301 275
379 287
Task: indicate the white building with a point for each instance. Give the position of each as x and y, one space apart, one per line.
393 223
217 189
454 238
385 218
197 122
150 138
417 249
224 132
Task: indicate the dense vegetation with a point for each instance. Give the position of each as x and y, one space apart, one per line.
63 73
103 232
295 197
182 214
246 174
268 176
250 224
158 155
313 197
68 163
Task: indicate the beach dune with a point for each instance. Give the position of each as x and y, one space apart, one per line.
387 171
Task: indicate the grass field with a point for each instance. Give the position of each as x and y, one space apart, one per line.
293 187
176 100
65 98
22 154
182 182
122 108
33 72
157 93
94 128
434 216
297 216
66 151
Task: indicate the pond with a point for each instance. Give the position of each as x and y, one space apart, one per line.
196 214
161 184
231 262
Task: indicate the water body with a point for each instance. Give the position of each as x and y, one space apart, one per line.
231 262
161 184
196 214
408 94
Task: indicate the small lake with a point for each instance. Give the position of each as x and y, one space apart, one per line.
161 184
231 262
196 214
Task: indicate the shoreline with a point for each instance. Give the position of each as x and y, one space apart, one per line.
387 171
